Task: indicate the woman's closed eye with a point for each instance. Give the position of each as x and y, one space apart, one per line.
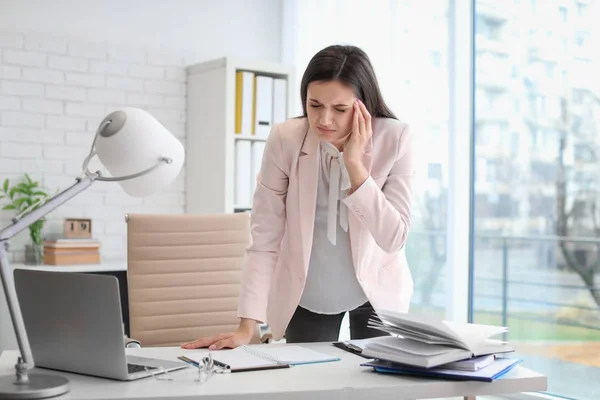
319 106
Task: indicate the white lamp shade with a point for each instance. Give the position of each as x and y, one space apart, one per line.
135 141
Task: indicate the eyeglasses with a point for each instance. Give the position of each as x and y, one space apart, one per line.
206 369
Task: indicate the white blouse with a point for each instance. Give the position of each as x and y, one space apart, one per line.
331 285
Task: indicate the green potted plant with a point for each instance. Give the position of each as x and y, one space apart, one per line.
27 194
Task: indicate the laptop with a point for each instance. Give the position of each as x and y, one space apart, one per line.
74 324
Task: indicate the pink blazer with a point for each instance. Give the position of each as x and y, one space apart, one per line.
283 215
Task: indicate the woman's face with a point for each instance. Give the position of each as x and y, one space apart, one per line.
329 110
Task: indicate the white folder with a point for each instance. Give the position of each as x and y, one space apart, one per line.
247 102
279 100
258 148
264 106
243 176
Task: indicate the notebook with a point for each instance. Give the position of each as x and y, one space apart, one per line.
428 342
249 358
357 346
471 364
497 369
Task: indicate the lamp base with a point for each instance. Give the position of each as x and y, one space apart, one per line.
39 386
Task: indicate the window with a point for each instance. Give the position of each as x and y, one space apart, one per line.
537 104
550 70
493 173
515 71
434 171
583 153
532 271
541 206
563 13
515 142
527 219
436 59
542 172
488 28
578 96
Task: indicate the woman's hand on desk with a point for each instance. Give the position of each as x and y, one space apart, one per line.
243 335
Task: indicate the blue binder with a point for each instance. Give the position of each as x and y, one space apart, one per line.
488 374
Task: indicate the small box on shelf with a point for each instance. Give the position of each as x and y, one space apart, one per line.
71 251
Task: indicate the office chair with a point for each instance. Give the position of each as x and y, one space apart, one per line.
184 275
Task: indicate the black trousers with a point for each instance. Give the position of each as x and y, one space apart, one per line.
307 326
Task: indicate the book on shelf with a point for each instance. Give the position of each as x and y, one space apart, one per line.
427 342
243 172
71 251
260 102
72 243
244 102
247 166
263 106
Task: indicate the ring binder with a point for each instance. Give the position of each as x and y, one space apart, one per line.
253 358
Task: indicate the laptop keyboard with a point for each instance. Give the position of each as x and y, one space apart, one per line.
133 368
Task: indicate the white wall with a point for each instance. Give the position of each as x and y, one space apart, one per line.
64 64
204 28
64 67
53 95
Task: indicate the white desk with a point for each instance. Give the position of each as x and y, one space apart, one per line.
345 379
102 267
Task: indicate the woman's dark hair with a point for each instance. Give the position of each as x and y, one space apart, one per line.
350 65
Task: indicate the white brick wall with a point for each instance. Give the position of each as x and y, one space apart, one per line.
53 94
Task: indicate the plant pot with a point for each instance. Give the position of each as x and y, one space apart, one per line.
34 254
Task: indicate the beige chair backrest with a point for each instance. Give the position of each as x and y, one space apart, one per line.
184 275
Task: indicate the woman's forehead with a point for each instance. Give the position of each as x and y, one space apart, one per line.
330 91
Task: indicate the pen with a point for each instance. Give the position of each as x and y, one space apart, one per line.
189 361
220 364
353 347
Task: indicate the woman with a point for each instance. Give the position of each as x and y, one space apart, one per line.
331 212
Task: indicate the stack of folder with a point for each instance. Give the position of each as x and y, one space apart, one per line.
248 159
260 102
71 251
427 347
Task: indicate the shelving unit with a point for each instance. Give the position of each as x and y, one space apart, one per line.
249 137
211 137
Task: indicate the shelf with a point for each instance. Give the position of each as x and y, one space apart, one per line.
212 144
250 138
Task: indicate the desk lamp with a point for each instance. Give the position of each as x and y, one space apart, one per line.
143 157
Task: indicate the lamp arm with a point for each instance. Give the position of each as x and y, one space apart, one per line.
6 274
23 221
161 161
